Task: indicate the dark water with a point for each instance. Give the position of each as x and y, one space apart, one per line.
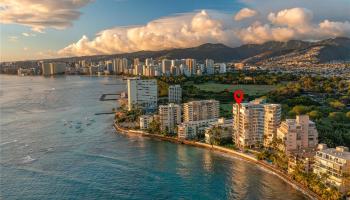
54 147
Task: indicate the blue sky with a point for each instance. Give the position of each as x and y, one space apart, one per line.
54 25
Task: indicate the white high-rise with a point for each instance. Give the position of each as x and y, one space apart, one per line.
209 66
175 94
254 121
170 116
142 93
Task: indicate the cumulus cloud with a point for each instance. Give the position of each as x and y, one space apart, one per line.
179 31
245 13
193 29
293 17
40 14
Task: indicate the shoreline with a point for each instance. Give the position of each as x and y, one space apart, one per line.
270 169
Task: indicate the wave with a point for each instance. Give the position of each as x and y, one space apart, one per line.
28 159
9 142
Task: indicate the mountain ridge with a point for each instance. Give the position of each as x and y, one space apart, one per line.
271 52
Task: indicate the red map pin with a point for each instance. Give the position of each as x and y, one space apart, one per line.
238 96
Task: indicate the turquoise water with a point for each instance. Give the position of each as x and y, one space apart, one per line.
53 147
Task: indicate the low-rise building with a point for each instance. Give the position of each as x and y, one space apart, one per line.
225 126
335 163
193 129
145 121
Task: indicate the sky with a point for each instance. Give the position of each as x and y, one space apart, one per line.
39 29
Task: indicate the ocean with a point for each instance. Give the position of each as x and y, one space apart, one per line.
53 146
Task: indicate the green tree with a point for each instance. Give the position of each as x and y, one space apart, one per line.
315 114
300 110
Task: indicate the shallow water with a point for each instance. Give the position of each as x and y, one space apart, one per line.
52 146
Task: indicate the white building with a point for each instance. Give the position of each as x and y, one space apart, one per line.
297 134
250 125
222 68
336 164
209 66
145 120
193 129
169 116
201 110
225 126
175 94
142 93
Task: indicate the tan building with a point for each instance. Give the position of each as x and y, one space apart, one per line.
170 117
336 164
201 110
297 134
254 121
191 64
49 69
145 120
272 120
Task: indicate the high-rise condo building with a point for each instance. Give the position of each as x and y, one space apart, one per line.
272 120
120 65
166 66
201 110
335 164
297 134
175 94
170 116
209 66
142 93
253 121
191 64
49 69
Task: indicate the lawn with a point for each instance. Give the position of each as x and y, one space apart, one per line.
248 89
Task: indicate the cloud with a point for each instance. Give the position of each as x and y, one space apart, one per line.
245 13
208 26
293 17
180 31
28 34
41 14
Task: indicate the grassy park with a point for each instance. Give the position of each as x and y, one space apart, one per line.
248 89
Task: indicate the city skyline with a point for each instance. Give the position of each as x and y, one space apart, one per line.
45 29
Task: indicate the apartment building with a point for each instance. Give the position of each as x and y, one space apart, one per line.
142 93
201 110
175 94
297 134
169 116
145 121
49 69
272 120
254 121
225 126
193 129
334 162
